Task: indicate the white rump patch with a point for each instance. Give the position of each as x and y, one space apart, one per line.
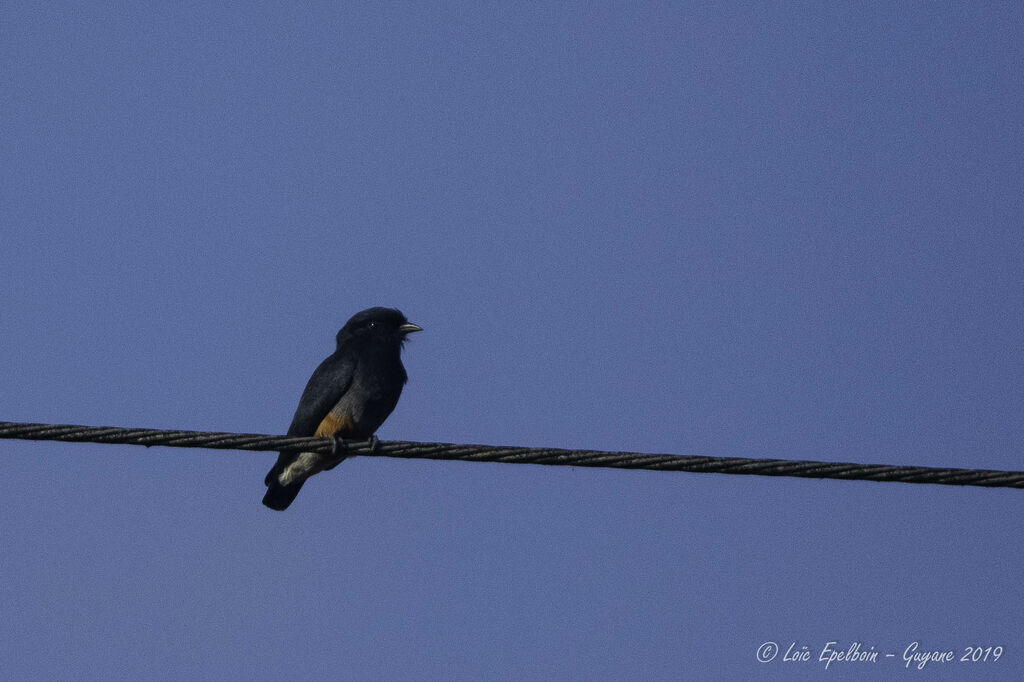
304 466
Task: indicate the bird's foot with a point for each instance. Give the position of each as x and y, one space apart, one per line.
339 451
373 441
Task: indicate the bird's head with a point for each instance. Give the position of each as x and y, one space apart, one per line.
386 325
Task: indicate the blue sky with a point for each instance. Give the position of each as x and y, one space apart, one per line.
784 230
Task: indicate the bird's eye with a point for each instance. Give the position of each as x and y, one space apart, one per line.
372 325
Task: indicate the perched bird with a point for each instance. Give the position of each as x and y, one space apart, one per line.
349 396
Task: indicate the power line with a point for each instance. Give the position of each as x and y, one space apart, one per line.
515 455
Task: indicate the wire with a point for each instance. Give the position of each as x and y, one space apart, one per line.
515 455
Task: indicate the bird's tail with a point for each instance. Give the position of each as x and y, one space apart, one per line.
279 496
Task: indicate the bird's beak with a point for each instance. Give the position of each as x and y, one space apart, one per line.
409 328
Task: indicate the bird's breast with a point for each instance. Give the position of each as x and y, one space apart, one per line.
363 408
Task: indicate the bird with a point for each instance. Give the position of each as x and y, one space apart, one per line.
348 396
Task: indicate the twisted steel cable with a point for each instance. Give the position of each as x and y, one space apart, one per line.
516 455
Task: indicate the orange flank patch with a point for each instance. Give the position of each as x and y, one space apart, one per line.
332 424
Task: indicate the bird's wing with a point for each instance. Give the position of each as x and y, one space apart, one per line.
329 383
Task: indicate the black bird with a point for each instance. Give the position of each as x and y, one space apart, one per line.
349 396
